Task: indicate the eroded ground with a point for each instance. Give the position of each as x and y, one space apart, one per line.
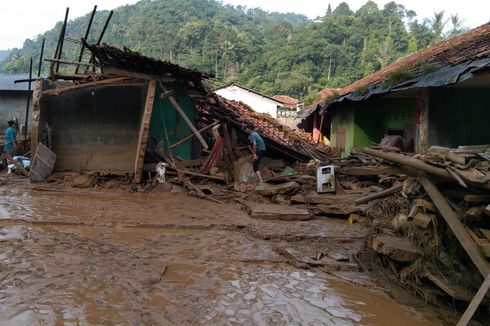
79 257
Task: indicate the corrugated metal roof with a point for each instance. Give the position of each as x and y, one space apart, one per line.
7 82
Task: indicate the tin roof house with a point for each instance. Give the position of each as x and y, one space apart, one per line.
437 96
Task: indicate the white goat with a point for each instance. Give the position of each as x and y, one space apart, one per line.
161 168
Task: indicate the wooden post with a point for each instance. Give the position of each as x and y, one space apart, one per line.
320 130
458 229
144 129
470 311
28 99
36 96
423 123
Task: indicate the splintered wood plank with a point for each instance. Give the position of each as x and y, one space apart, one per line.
486 233
465 319
455 225
144 129
453 290
483 244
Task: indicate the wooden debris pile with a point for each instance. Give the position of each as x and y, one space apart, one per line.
431 222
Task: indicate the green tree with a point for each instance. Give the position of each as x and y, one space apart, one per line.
438 22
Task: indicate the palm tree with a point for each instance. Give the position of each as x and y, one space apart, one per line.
437 24
456 25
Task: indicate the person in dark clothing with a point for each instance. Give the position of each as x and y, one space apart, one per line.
257 147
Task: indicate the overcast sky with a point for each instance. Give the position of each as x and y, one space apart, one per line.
21 19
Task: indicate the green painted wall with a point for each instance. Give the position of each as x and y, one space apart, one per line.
165 116
459 116
343 128
365 123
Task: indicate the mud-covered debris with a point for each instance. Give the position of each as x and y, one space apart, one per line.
399 249
267 189
277 212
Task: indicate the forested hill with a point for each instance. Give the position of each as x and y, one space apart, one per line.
273 53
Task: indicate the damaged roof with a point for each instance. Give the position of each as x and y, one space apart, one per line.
447 62
280 139
126 59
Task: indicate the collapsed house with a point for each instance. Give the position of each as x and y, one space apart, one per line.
437 96
103 122
135 110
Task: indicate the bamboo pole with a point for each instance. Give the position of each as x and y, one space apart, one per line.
62 39
87 32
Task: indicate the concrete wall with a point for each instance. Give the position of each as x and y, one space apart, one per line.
95 129
256 102
459 116
13 105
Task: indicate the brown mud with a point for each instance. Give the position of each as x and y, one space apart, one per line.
79 257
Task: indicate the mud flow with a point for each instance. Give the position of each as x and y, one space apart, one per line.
89 258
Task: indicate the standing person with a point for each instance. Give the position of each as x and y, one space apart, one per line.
257 146
10 137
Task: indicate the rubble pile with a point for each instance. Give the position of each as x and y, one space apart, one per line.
432 233
281 140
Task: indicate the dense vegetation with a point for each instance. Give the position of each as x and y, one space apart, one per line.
4 54
271 52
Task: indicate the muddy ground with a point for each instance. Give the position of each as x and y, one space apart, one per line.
110 257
